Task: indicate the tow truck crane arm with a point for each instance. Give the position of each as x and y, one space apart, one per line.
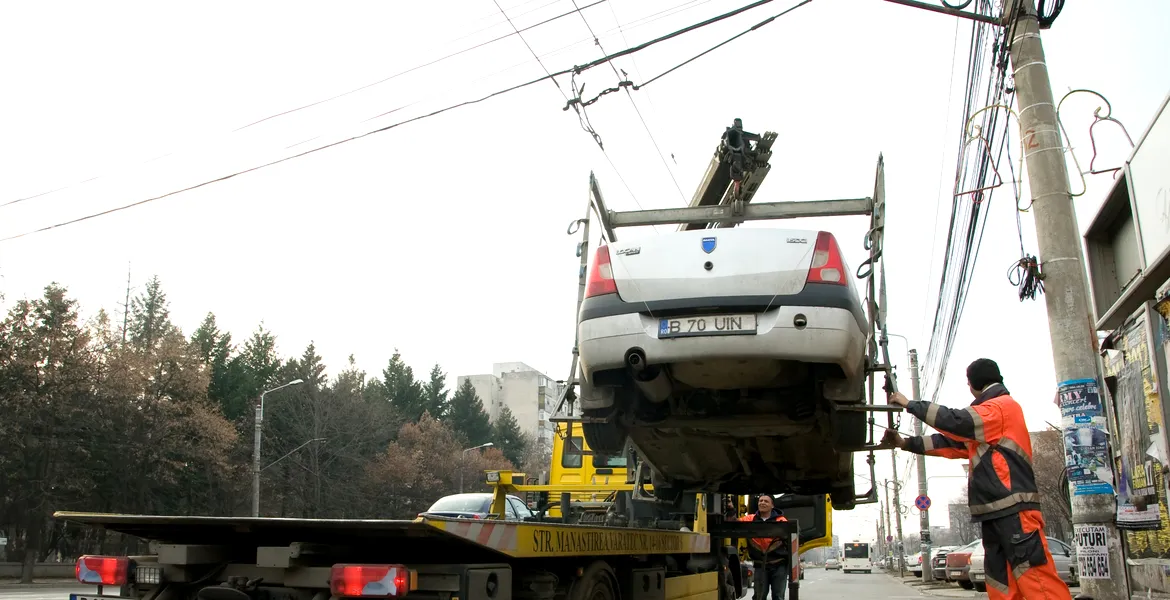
735 172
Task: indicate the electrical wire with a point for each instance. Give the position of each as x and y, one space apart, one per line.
639 22
645 126
574 70
1047 18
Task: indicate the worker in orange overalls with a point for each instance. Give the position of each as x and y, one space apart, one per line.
769 554
1001 489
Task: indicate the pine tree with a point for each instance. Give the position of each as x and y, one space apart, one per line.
468 417
435 391
507 436
149 316
406 394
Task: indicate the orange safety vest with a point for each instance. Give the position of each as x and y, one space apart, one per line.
760 548
992 435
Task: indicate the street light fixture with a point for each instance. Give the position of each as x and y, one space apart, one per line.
256 445
463 461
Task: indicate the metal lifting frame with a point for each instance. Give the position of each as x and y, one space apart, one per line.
700 216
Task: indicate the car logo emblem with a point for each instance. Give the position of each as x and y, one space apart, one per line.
708 245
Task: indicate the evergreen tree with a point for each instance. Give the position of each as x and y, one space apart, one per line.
405 393
468 417
149 316
260 359
508 438
435 392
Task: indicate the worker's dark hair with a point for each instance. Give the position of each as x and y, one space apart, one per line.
983 372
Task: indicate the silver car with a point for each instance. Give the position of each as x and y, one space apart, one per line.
725 355
1064 558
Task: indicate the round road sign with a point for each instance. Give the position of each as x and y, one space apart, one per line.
922 502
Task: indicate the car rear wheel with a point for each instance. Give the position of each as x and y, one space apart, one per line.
966 585
604 438
980 587
843 497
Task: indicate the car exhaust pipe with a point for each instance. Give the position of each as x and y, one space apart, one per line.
652 381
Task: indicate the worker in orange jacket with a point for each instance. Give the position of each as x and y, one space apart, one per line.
768 553
1001 488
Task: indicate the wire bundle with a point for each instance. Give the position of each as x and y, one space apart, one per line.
1025 274
974 169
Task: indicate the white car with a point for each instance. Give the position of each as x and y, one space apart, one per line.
914 564
725 355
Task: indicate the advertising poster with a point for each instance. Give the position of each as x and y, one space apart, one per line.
1086 439
1092 543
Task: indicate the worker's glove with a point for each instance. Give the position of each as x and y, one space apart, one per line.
891 438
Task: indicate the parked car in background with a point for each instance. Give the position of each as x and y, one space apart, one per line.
475 506
959 564
1063 558
938 561
914 564
832 564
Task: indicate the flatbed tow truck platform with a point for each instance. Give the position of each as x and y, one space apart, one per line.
258 558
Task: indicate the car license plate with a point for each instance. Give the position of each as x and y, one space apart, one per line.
90 597
956 573
706 325
977 577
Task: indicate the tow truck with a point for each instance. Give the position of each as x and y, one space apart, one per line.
634 546
643 550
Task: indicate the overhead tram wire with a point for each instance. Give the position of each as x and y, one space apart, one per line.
639 22
582 118
629 95
427 64
344 94
436 112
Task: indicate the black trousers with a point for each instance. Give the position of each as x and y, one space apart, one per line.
774 576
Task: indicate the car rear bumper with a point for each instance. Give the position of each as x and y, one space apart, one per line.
831 335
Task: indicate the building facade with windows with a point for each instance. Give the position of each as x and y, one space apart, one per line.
528 393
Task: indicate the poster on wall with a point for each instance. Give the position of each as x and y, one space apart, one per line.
1086 438
1139 443
1137 494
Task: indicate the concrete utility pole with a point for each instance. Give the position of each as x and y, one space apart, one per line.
1070 321
897 519
923 516
257 431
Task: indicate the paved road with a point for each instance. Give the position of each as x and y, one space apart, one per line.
820 584
43 591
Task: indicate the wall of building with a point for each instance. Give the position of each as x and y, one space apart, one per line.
529 394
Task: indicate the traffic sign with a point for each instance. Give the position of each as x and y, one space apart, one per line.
922 502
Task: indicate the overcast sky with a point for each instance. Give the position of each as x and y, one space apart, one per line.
446 238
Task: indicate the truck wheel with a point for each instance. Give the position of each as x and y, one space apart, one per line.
596 583
604 438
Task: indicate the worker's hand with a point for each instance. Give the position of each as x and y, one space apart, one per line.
899 399
891 438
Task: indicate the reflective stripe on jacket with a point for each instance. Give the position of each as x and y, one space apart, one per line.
992 435
760 548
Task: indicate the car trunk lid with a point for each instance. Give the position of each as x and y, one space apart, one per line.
692 264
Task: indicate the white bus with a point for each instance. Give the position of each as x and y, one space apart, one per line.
855 557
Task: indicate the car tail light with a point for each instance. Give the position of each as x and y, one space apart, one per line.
827 266
372 581
102 570
600 275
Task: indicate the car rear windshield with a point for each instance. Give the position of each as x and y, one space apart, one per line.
856 550
466 503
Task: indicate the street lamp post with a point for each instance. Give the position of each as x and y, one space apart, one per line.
463 461
256 445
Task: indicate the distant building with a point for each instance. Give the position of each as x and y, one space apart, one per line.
528 393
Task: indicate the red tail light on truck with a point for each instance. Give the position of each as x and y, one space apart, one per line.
372 581
102 570
827 265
